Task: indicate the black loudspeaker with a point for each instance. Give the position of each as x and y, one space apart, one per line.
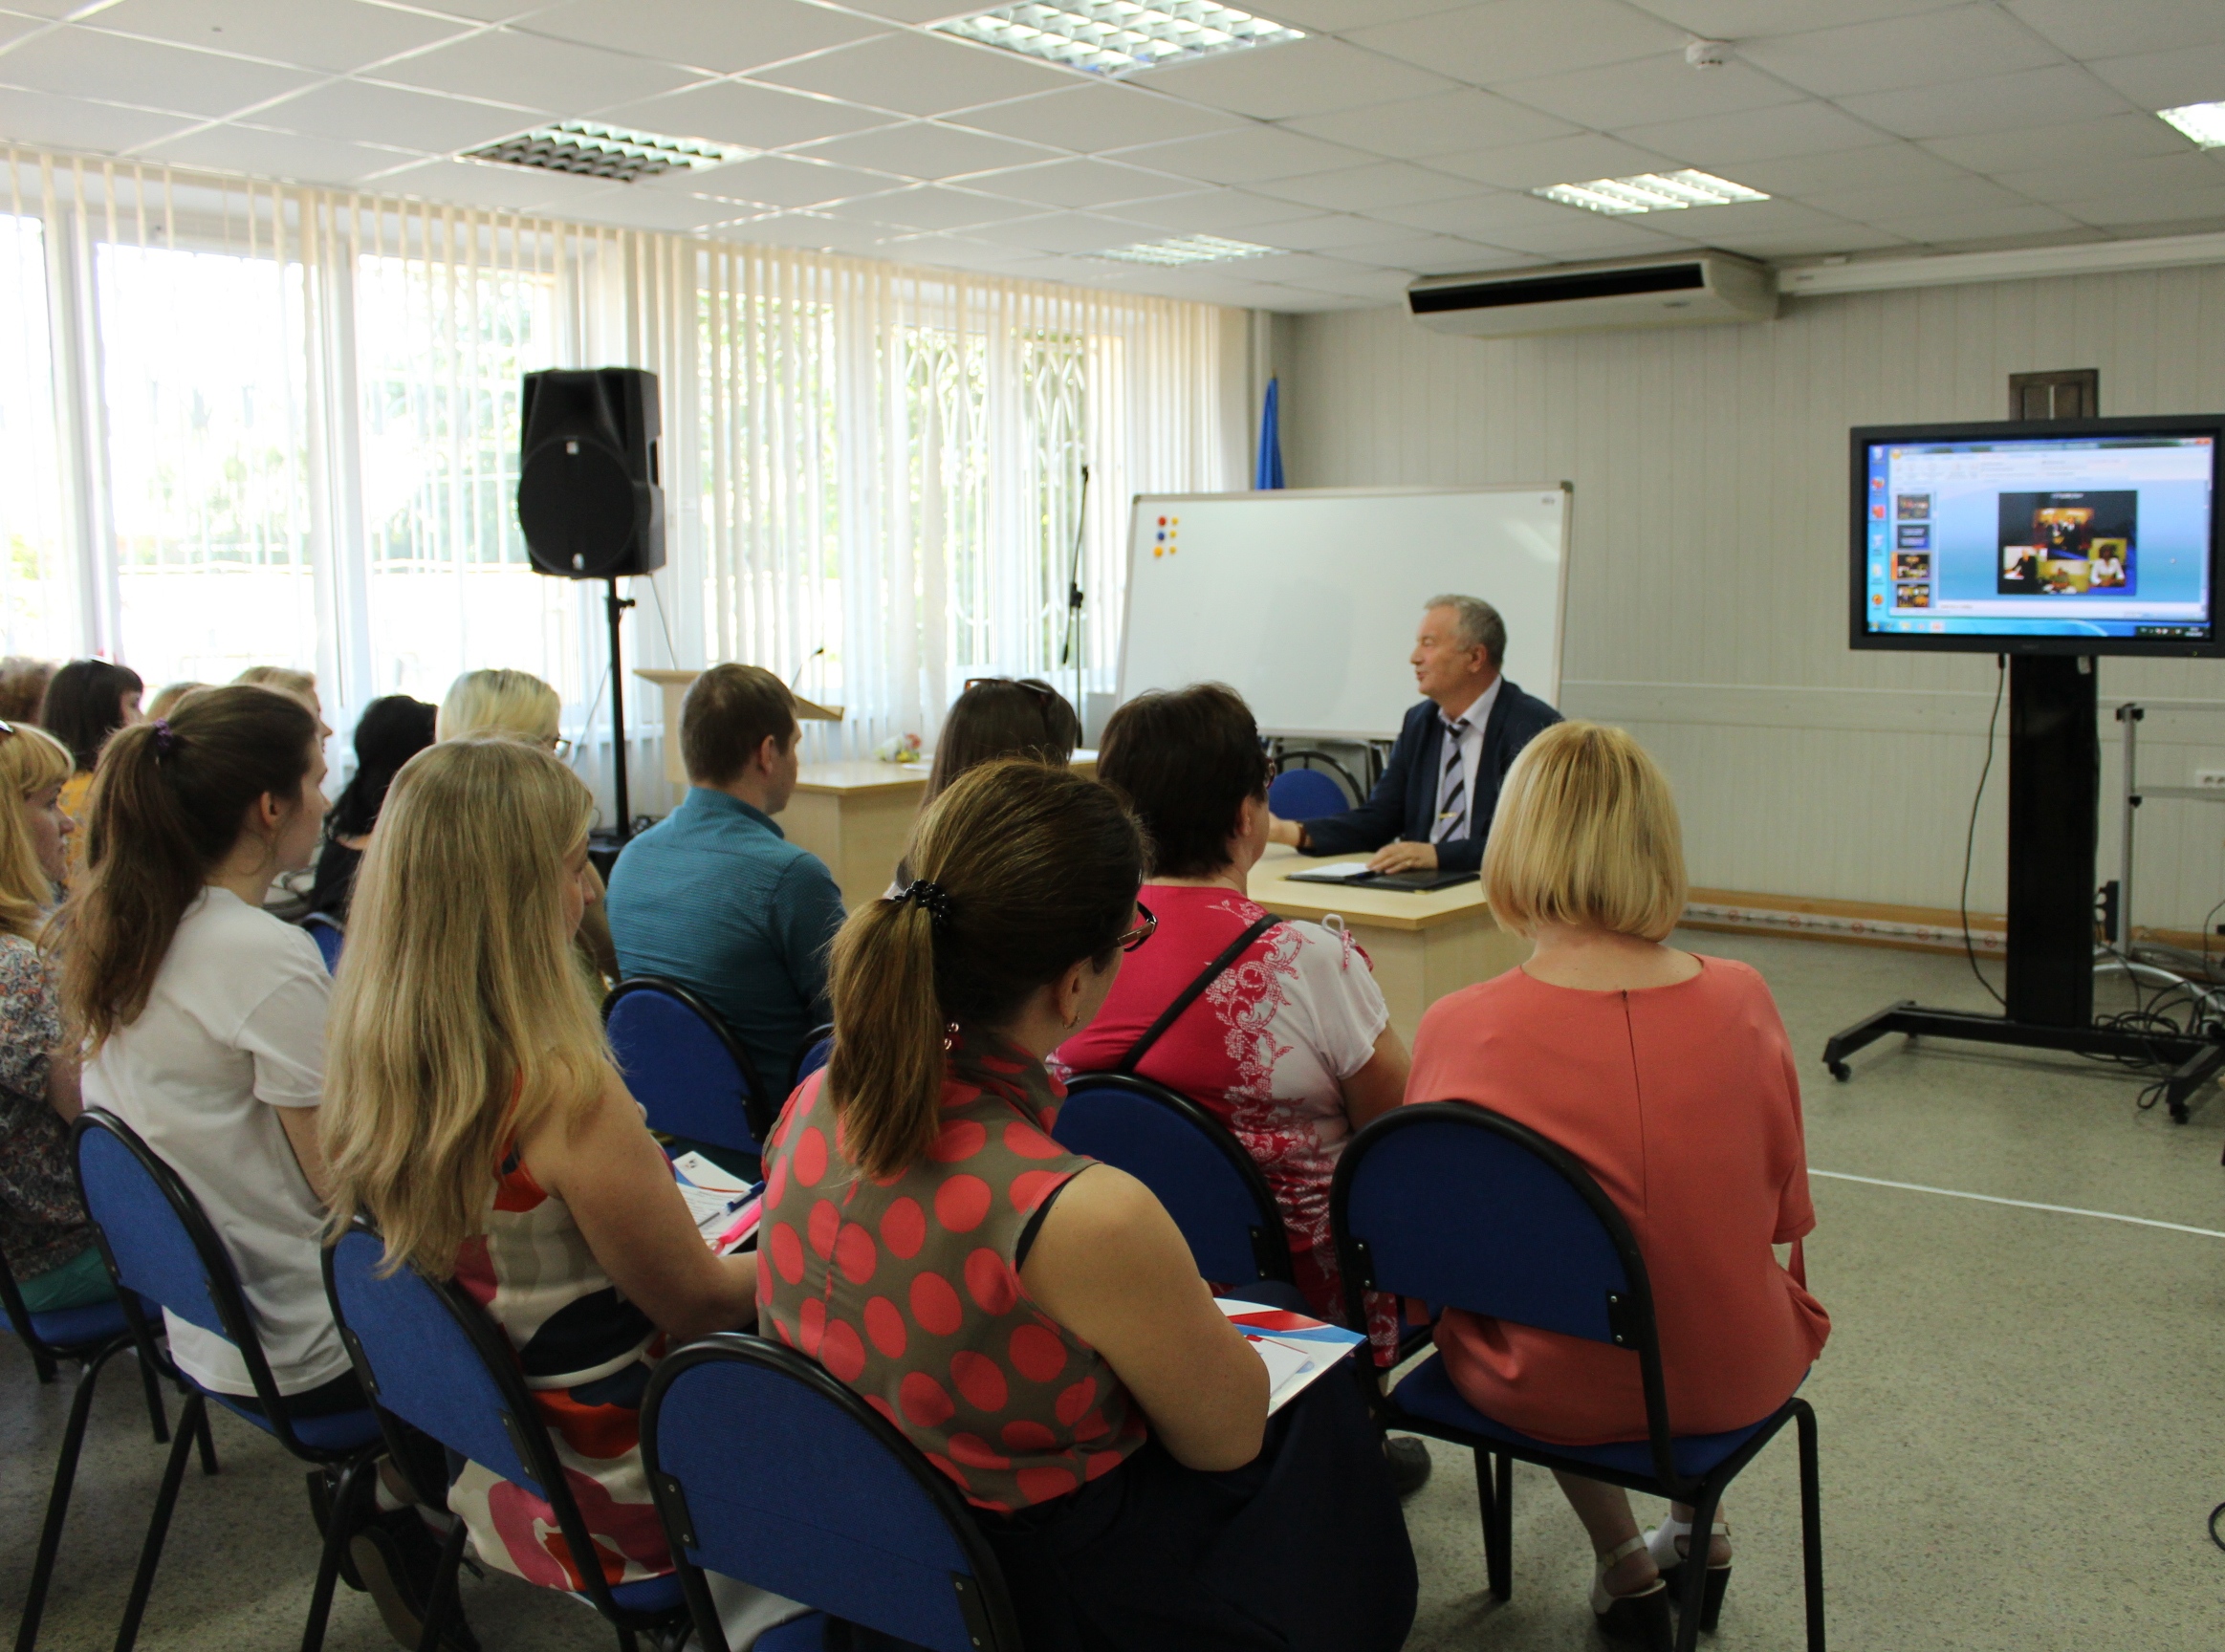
588 492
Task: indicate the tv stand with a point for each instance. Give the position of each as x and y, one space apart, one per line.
2055 768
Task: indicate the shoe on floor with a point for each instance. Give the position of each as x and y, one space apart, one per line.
1640 1620
398 1560
1410 1463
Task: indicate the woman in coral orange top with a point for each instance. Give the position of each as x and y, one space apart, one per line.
1670 1076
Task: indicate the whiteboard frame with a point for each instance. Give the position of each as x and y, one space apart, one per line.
1566 489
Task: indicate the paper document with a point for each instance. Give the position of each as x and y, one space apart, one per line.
1338 869
1297 1350
707 1206
693 1170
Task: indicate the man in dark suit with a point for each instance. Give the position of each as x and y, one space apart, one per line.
1432 806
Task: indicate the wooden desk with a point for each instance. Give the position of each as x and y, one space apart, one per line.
1424 946
856 816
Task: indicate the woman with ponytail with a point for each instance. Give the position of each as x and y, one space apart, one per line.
1029 1319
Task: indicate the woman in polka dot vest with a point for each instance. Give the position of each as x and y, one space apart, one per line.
1032 1320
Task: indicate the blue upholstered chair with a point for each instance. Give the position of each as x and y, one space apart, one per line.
818 1045
768 1470
329 935
685 1066
161 1246
1202 1174
1309 794
429 1355
1459 1208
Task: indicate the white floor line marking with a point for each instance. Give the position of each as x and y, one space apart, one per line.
2020 1203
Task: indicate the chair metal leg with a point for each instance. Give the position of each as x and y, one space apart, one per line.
1504 1586
1494 1489
342 1525
445 1594
58 1506
1694 1592
191 1421
155 1414
207 1441
1811 1524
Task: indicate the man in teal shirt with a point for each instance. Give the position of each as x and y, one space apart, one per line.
714 896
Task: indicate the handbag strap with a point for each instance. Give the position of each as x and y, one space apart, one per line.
1190 993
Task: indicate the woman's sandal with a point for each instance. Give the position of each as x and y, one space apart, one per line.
1640 1620
1671 1545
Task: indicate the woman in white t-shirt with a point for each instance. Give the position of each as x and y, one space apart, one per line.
203 1015
1290 1045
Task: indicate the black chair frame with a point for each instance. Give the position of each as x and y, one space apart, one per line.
351 1498
1354 792
45 1358
528 1437
825 1030
983 1598
1632 1317
1270 1238
758 1104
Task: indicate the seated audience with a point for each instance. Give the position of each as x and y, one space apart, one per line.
86 702
167 697
1032 1320
23 684
1669 1075
1290 1045
391 730
714 896
521 706
475 1117
285 680
999 717
43 1231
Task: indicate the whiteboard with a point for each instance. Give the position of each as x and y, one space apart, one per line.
1305 600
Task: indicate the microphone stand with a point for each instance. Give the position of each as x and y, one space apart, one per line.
1074 647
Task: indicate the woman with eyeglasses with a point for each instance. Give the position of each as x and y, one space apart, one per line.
521 706
1029 1319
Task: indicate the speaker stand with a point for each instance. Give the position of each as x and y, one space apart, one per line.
2054 771
614 607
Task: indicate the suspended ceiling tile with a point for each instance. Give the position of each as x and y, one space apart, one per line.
631 207
912 10
1589 235
1091 118
2167 79
1459 120
362 113
2072 143
1651 89
1230 212
1806 176
744 113
1383 286
1251 155
1556 161
284 156
930 206
14 28
557 75
2191 171
1438 254
777 181
725 36
1364 188
812 233
1480 216
2113 28
1082 182
1935 48
1989 223
1343 15
1314 77
1064 232
1810 243
488 10
1743 19
2174 212
1995 103
918 73
78 62
921 149
75 123
1875 206
501 188
1712 141
331 34
1519 40
1327 232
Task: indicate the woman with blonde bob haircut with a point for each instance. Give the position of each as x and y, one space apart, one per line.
1668 1073
473 1112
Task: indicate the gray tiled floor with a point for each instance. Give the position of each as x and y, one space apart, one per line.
2020 1408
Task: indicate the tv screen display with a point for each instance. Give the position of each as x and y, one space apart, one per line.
2076 536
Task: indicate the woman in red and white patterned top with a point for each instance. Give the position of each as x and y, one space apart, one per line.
1032 1320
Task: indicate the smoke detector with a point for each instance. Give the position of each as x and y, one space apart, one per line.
1708 54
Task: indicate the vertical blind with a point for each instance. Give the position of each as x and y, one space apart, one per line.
243 422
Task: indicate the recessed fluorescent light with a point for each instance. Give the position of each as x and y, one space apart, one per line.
2203 122
1650 193
1188 250
1114 36
592 151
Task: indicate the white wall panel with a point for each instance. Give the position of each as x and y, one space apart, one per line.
1707 596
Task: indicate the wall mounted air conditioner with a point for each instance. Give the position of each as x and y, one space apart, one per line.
1691 289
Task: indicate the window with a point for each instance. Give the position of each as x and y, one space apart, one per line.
38 601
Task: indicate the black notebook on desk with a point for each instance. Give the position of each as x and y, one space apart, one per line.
1419 880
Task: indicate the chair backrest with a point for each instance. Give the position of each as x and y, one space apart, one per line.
818 1045
767 1469
327 932
427 1354
1305 795
160 1245
1456 1205
1200 1172
685 1066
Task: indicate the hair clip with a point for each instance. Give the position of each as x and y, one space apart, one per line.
932 896
166 737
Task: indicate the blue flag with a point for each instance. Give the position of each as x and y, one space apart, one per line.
1270 473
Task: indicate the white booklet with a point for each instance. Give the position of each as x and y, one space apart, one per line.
724 1205
1297 1350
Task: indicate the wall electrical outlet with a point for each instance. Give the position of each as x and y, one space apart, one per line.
2210 779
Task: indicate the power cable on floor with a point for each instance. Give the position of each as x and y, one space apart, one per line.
1970 838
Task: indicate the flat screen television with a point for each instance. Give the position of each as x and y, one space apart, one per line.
2069 536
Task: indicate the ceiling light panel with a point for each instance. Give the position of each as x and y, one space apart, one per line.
1188 250
586 149
1117 36
1650 193
2203 122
